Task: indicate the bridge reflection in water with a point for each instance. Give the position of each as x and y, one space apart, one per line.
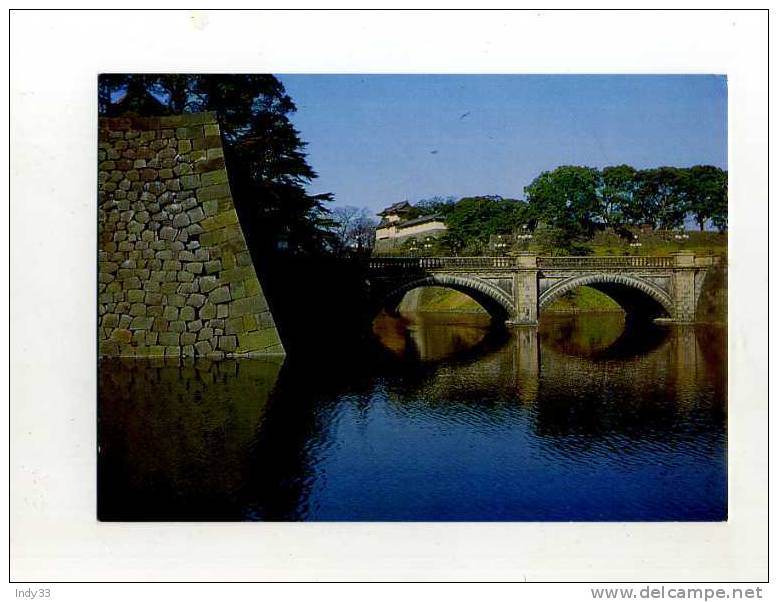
582 418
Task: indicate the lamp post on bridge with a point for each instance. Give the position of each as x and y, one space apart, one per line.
525 237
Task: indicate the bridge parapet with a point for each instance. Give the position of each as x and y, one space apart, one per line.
528 261
600 263
442 263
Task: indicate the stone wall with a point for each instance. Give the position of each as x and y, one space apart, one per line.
175 277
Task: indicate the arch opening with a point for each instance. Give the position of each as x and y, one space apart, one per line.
495 302
640 300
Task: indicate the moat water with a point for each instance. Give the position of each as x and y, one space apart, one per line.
439 418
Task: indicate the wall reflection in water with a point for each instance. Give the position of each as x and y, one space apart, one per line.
584 418
175 439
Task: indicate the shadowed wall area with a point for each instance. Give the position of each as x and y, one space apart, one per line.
175 277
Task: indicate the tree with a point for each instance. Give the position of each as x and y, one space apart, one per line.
432 206
658 199
472 220
704 188
616 194
354 229
720 215
567 198
265 157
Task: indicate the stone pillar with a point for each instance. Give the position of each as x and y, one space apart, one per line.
525 290
684 294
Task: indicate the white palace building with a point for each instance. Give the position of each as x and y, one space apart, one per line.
395 227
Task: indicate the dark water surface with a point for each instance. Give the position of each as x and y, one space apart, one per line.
585 418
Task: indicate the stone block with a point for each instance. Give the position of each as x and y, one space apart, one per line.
202 255
167 233
237 290
148 175
196 267
181 220
236 274
207 311
141 323
190 182
176 300
228 343
135 296
233 325
213 266
182 169
210 208
196 214
203 347
216 191
137 309
187 313
195 300
250 322
220 295
257 340
169 338
194 326
170 313
248 305
251 287
205 165
209 178
177 326
121 335
208 283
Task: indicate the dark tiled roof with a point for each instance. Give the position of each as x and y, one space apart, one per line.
420 220
396 208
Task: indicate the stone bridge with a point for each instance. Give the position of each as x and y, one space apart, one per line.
517 289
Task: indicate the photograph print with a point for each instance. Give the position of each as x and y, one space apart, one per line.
412 297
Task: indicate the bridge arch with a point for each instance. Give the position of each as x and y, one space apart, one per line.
635 295
495 301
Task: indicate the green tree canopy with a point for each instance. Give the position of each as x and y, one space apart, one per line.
616 194
567 198
471 220
704 188
658 199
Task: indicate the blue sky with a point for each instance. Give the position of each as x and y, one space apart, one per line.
378 139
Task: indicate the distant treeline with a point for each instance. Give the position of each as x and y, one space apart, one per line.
572 203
